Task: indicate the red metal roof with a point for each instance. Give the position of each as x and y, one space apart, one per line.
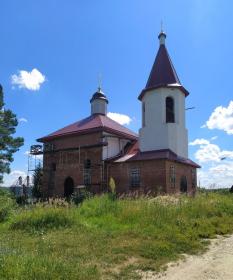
134 154
93 123
163 73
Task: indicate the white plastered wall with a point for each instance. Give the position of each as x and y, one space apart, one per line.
114 147
157 134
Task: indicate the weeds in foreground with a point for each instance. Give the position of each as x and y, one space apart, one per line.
100 238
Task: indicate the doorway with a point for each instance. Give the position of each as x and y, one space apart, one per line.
183 184
68 187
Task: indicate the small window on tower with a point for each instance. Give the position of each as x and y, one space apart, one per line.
170 115
143 114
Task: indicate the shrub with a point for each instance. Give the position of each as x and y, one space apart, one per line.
78 198
21 200
37 182
6 205
42 218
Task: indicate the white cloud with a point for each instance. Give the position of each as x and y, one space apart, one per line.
214 138
222 119
23 120
37 157
199 142
17 173
218 176
217 164
209 152
29 80
120 118
11 178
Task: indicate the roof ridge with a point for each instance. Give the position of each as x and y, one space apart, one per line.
91 124
120 125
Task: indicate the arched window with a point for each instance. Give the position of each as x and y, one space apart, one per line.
143 114
170 114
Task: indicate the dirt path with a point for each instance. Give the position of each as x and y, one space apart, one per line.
216 263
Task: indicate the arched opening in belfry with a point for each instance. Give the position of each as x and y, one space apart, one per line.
68 187
183 184
170 114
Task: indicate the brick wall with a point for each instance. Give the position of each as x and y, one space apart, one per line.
71 164
154 175
151 173
180 171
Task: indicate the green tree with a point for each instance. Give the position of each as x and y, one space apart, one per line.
8 144
37 182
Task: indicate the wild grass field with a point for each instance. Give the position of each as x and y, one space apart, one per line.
105 238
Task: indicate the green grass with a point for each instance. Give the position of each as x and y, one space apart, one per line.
7 205
105 239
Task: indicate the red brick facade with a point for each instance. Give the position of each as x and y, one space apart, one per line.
62 164
156 176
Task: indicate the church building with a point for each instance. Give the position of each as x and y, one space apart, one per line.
89 152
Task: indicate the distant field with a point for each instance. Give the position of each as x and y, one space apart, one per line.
105 238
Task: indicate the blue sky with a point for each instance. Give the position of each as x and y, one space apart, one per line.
71 42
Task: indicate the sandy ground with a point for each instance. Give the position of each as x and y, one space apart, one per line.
216 263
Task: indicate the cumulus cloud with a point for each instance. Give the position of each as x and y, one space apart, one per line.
29 80
11 178
208 152
120 118
217 164
36 157
217 176
222 119
23 120
199 142
39 157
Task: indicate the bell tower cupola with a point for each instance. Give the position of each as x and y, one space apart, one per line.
99 103
163 107
162 36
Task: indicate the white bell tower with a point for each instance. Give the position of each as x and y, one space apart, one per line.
163 107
